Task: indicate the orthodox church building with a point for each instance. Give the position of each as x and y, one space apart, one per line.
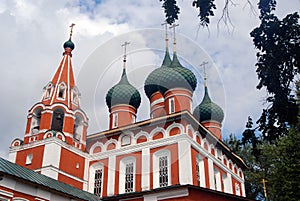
177 153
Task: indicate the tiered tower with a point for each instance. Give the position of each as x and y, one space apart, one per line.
55 136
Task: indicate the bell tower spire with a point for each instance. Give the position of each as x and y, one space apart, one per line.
56 128
59 110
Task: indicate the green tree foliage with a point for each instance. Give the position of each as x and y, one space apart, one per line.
277 42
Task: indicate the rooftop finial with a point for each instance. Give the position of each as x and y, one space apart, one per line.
204 71
71 31
174 26
166 29
125 45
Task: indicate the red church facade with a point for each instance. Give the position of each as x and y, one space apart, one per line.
176 154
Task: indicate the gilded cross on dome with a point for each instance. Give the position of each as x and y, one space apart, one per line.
125 45
166 29
204 70
173 27
71 31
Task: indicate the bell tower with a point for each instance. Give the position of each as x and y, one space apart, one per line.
55 135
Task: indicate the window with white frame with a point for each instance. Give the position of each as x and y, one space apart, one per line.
237 189
29 159
200 171
217 179
127 175
78 126
125 140
171 105
48 91
161 168
98 182
133 119
96 179
35 121
61 92
115 120
163 171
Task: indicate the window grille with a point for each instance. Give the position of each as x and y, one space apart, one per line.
129 177
98 182
163 171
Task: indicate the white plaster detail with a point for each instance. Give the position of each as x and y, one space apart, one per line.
145 169
184 161
156 130
111 175
157 101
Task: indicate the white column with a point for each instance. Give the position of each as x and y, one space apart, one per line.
85 175
185 162
228 185
50 158
243 189
12 156
146 169
111 175
211 173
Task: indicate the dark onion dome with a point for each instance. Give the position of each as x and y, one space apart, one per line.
176 76
208 110
151 82
123 93
69 44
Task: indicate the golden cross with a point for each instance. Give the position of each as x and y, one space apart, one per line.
125 45
71 31
173 27
265 188
203 64
166 29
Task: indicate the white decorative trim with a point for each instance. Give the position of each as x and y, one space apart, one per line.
175 125
6 193
167 195
145 169
211 173
160 100
97 144
111 141
184 161
156 130
111 175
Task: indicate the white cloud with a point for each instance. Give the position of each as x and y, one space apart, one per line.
31 46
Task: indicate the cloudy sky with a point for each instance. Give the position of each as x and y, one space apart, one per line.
32 34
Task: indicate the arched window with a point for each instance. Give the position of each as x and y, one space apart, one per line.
75 95
78 127
35 121
127 175
29 159
200 171
171 105
125 140
96 179
161 168
61 92
57 120
48 91
115 120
